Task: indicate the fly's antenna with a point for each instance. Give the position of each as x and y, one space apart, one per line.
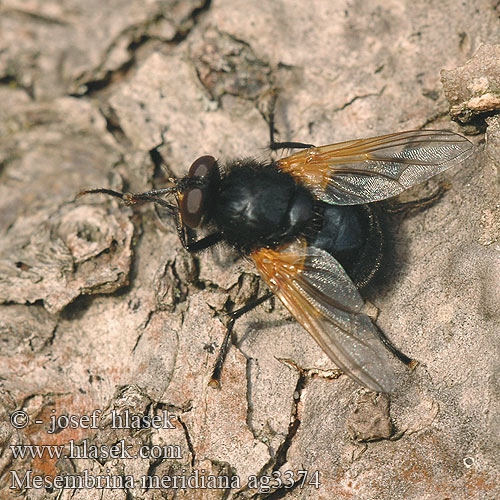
130 199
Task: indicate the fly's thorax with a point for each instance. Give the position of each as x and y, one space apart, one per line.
258 205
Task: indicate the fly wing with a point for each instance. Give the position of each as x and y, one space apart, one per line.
366 170
320 295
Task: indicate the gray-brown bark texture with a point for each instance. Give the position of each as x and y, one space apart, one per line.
102 309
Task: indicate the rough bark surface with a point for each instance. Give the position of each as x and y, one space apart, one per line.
103 313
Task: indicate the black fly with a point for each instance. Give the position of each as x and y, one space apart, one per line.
306 222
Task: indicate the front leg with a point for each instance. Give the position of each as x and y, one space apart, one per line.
206 242
187 239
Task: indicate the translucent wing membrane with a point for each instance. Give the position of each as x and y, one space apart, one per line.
366 170
317 291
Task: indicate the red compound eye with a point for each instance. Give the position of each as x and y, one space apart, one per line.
193 200
203 167
191 206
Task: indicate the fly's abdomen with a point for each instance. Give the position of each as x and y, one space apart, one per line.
353 235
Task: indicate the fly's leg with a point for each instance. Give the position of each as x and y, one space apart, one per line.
233 316
420 204
273 144
411 363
